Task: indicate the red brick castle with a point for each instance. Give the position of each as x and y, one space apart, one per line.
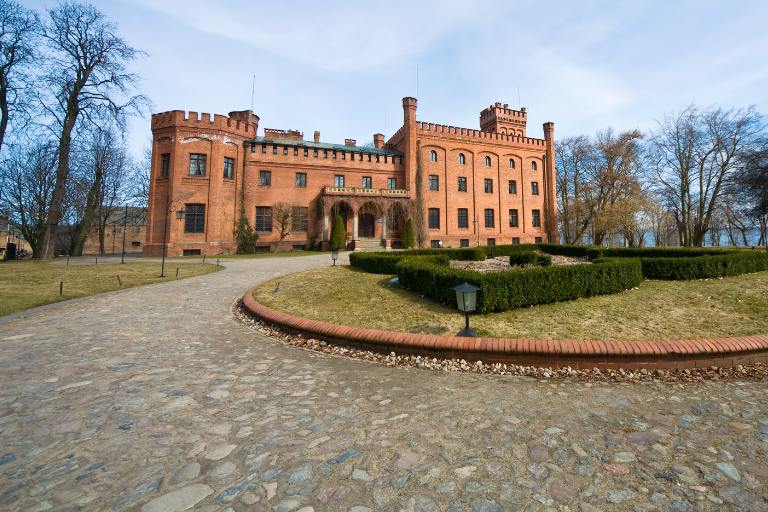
460 186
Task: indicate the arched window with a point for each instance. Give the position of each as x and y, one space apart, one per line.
511 163
433 156
487 161
533 166
462 160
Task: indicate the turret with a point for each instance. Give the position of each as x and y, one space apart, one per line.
500 118
378 140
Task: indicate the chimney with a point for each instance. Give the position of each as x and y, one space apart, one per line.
317 136
350 142
378 140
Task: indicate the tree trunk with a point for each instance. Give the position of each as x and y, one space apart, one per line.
3 111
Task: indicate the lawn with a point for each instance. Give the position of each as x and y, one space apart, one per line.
26 284
733 306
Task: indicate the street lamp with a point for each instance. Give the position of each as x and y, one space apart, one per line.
334 257
466 300
179 215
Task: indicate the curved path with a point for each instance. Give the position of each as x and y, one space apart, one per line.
156 399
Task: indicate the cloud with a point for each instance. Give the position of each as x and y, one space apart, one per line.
350 36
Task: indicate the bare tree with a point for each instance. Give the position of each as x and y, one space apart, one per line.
29 177
751 182
574 155
88 79
19 28
692 155
282 216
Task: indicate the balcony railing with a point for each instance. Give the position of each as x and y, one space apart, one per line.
359 191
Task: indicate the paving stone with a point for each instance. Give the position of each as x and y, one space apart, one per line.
181 499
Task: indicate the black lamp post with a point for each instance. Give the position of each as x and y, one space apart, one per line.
334 257
179 215
466 300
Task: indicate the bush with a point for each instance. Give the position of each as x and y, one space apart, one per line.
662 252
245 236
338 234
544 260
565 250
508 250
500 291
704 267
407 238
384 262
524 258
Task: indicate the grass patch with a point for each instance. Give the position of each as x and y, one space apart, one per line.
655 310
26 284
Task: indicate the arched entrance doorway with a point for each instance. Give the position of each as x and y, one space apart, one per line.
367 225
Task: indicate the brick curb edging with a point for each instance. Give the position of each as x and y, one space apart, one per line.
697 353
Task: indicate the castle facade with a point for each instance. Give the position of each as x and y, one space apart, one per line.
459 186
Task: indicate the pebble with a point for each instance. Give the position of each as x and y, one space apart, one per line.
178 500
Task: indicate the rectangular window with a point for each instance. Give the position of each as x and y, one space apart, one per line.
534 188
299 218
463 219
464 242
265 178
314 153
306 151
515 240
263 219
274 149
165 165
367 182
229 168
325 153
296 151
343 155
194 218
301 180
285 150
197 164
462 184
263 149
338 181
434 182
391 183
490 242
488 186
536 218
435 244
513 219
537 240
434 218
512 187
490 217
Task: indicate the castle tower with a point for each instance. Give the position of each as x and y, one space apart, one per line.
500 118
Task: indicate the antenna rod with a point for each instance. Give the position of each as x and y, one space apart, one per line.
253 89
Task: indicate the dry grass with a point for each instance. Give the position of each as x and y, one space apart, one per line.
653 311
26 284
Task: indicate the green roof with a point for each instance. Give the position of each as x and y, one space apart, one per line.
325 145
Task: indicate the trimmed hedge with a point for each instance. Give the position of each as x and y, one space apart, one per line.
661 252
384 262
565 250
462 254
508 250
523 258
704 267
500 291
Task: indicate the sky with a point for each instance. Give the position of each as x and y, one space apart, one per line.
343 67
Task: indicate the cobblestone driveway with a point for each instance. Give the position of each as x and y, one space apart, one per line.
155 399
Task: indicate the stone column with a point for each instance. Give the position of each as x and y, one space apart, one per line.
326 222
384 227
354 227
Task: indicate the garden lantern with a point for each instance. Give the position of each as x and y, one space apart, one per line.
466 300
334 257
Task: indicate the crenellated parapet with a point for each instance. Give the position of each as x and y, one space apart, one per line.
471 135
243 124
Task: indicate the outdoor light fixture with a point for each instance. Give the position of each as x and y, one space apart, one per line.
466 300
334 257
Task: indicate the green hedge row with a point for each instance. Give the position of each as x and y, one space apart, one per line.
565 250
461 254
661 252
508 250
384 262
704 267
500 291
530 258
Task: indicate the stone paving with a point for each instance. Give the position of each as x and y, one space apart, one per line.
156 399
